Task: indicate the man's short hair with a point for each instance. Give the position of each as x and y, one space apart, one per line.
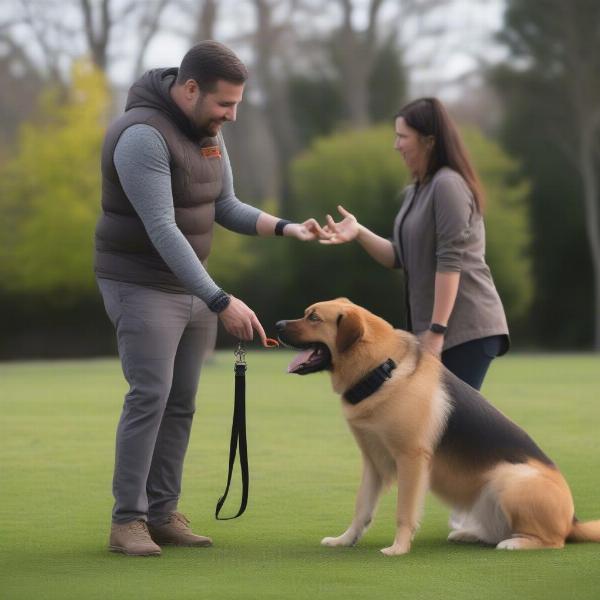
208 62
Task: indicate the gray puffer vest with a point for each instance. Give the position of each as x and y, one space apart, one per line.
123 249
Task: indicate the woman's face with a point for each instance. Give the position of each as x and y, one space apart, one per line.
413 147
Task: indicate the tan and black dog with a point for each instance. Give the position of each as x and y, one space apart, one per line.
418 424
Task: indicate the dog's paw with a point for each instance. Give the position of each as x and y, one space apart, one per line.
463 536
510 544
396 550
337 541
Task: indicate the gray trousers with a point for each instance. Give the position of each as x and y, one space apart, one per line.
163 339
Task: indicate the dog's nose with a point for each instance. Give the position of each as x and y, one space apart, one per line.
280 325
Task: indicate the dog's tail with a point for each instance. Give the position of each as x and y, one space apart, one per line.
588 531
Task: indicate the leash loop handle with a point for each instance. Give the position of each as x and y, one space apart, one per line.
238 435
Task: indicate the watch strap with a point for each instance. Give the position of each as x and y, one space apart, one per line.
437 328
280 225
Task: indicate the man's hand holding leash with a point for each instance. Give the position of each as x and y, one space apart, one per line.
240 321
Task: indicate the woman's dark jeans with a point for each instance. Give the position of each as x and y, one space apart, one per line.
470 361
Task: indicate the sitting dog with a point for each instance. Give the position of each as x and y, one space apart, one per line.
418 424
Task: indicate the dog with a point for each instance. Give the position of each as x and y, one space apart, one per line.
417 424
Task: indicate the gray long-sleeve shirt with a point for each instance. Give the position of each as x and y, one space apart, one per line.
437 230
142 159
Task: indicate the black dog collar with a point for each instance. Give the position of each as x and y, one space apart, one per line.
371 383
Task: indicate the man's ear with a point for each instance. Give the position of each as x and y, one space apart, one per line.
191 89
350 330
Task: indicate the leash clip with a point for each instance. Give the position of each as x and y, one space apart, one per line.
240 354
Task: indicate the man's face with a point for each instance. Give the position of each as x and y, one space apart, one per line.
212 109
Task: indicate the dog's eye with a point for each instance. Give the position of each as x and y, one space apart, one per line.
313 317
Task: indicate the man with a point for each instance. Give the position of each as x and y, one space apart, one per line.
166 179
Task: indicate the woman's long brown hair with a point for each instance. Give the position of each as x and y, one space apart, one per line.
429 117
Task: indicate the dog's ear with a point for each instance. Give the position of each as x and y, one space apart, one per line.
350 330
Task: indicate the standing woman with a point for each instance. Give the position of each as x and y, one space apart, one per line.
439 241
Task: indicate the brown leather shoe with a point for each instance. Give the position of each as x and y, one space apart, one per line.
132 539
177 532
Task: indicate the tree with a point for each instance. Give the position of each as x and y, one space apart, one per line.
206 20
269 38
20 83
552 92
387 83
50 191
61 31
367 57
317 101
355 52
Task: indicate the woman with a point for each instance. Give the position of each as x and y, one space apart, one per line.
439 241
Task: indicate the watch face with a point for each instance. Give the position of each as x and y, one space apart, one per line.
437 328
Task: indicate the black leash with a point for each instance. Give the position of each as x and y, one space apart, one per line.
238 434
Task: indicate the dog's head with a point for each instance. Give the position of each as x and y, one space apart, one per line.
328 332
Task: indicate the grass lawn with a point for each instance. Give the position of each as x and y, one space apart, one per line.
56 451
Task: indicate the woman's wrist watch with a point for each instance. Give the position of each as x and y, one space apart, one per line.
437 328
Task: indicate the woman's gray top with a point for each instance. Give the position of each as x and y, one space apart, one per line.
439 229
141 158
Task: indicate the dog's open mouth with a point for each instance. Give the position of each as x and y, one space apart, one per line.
311 360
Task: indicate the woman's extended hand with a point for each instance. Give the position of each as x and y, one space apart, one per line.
344 231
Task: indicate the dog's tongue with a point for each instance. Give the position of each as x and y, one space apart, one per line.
299 360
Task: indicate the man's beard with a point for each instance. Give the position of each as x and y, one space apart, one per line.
201 126
210 129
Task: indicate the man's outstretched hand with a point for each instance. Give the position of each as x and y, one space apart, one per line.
306 232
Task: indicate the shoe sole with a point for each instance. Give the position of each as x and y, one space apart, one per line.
197 545
120 550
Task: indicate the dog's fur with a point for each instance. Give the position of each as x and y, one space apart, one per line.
426 429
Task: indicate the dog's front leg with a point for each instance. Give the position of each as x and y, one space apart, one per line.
413 480
366 502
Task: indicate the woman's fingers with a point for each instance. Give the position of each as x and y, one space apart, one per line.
333 240
343 211
331 224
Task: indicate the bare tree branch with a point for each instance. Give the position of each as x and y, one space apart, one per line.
50 56
356 52
267 41
150 26
19 55
9 24
97 37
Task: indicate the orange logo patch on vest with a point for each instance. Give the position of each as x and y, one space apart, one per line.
211 152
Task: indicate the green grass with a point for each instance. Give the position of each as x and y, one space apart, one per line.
57 427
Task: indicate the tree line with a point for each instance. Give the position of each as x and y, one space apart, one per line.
314 131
